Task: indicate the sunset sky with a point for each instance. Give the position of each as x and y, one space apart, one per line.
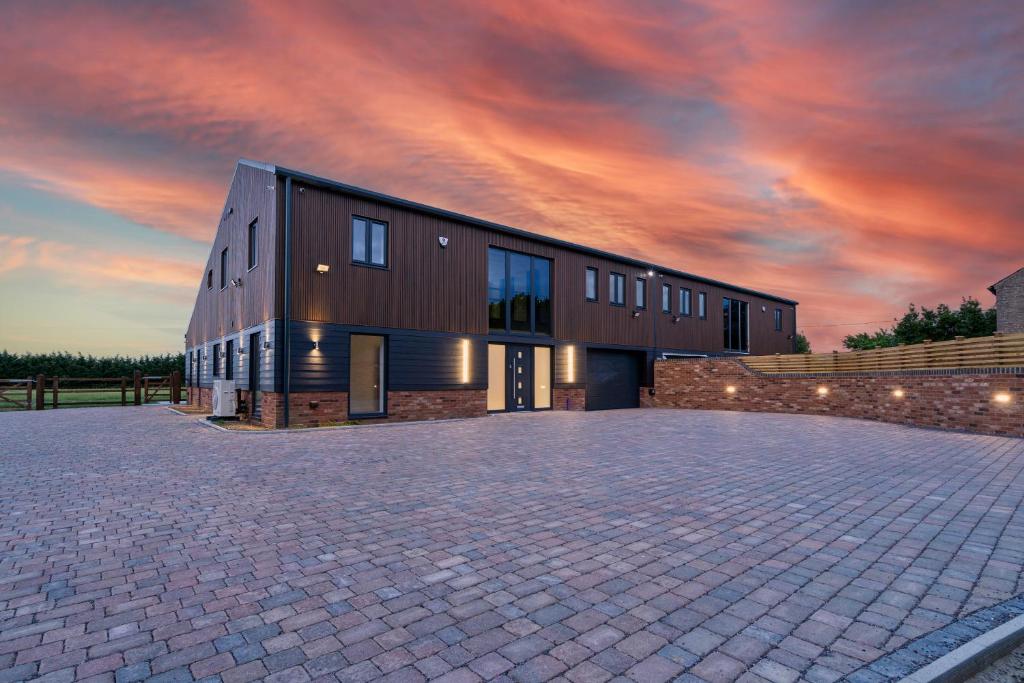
854 156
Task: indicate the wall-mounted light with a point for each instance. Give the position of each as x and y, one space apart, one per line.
675 318
650 273
1002 397
570 364
465 361
730 389
241 351
636 314
236 283
898 393
322 269
316 344
822 391
266 345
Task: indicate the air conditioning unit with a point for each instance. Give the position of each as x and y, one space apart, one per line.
224 398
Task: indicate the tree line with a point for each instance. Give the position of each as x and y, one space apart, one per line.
66 364
941 323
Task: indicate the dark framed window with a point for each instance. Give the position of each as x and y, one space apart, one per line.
778 320
366 373
518 292
591 284
702 305
685 302
229 359
735 325
617 289
188 370
666 298
253 244
224 268
369 242
216 360
209 280
641 293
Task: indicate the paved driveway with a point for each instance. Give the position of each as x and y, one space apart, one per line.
646 544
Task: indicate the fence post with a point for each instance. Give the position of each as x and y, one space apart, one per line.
124 391
40 392
175 387
56 389
138 388
28 395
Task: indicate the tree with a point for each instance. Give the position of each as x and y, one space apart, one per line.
939 324
801 344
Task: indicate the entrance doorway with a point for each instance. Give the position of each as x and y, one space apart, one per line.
518 377
255 358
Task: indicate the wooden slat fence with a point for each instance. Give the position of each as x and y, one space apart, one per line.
997 351
41 392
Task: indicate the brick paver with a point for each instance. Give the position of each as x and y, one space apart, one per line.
647 544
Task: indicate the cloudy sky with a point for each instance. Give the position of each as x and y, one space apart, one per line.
851 155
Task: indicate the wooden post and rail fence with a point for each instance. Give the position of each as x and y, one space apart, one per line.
998 351
42 392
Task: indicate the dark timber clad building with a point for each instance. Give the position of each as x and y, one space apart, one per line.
325 302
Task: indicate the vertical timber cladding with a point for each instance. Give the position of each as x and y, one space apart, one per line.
218 312
427 287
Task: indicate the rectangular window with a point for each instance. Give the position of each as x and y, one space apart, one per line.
591 284
216 360
735 317
369 241
702 305
209 280
641 293
495 377
778 320
191 362
617 289
666 298
229 359
366 375
541 377
253 244
224 268
685 301
518 292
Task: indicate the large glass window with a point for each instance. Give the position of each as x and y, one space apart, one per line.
518 292
216 360
617 289
496 303
666 298
685 301
641 293
366 375
495 377
541 377
229 359
702 305
253 244
591 284
369 241
778 320
735 316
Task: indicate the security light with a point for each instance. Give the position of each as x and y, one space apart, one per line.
650 273
322 268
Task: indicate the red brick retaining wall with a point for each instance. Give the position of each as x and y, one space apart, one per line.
569 399
324 407
951 400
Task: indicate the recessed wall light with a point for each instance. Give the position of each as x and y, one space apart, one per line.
730 389
898 393
822 391
1002 397
322 268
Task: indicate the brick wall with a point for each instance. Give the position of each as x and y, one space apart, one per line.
436 405
1010 304
202 397
307 408
951 400
569 399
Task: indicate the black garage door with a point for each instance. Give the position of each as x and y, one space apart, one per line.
613 379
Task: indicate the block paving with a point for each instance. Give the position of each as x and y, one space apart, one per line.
643 545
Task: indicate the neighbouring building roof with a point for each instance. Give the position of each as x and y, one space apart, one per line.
992 288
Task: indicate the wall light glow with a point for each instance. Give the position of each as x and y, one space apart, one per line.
822 391
1002 397
898 393
730 389
570 362
465 361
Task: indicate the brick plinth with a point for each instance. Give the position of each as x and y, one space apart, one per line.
200 396
569 399
305 408
436 405
953 400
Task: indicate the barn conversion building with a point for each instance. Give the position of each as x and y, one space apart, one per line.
325 302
